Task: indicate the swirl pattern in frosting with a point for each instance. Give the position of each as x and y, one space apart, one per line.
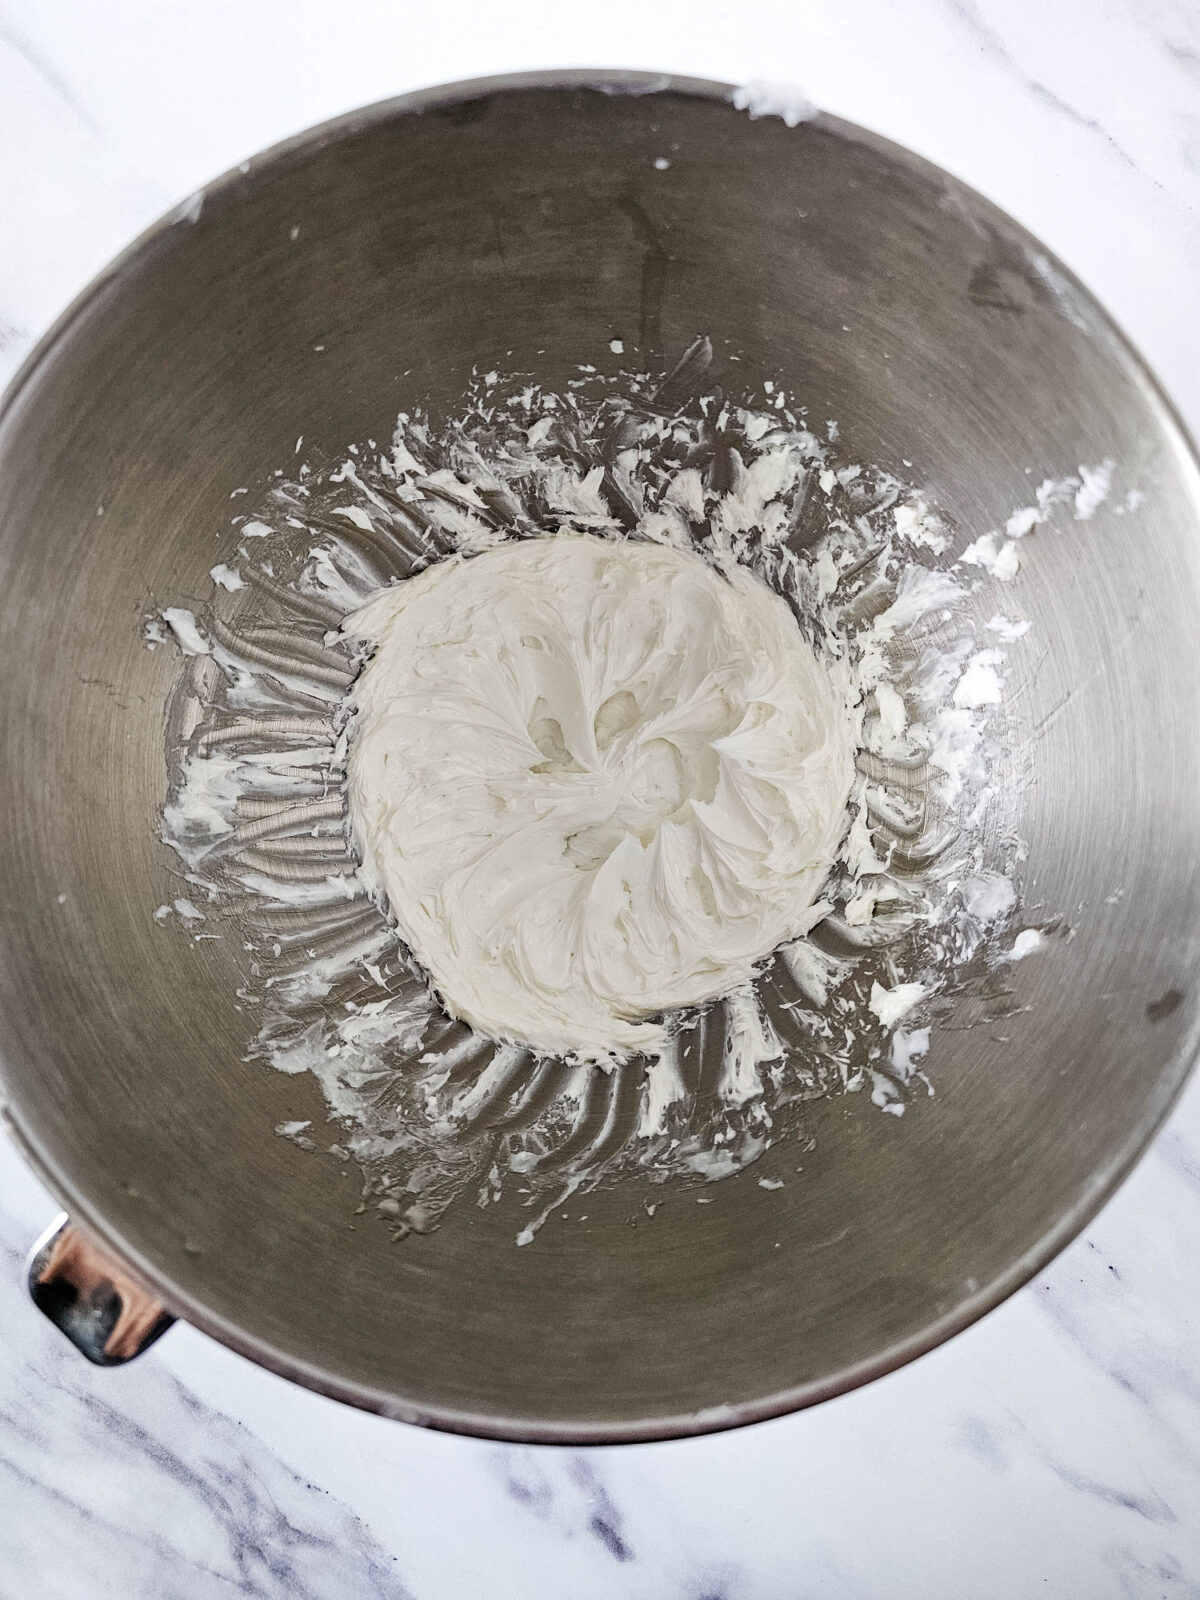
594 780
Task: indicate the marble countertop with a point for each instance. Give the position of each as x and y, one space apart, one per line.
1053 1449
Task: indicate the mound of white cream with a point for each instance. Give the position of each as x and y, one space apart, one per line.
593 780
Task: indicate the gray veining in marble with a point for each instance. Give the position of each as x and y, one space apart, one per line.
138 1488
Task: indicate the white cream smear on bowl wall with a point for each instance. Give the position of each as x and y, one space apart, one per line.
852 875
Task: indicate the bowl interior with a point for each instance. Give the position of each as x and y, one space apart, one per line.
522 226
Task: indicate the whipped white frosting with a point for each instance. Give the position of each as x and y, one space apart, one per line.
593 780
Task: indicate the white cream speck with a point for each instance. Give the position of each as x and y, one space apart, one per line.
890 1005
188 637
1026 942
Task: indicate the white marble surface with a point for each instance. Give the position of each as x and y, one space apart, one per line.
1054 1449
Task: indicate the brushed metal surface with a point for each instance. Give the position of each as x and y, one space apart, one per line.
523 224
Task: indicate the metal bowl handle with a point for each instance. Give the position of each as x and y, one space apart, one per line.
102 1311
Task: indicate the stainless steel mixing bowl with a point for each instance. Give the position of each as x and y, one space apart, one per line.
522 224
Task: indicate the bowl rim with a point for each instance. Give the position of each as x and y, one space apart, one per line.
1175 1071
